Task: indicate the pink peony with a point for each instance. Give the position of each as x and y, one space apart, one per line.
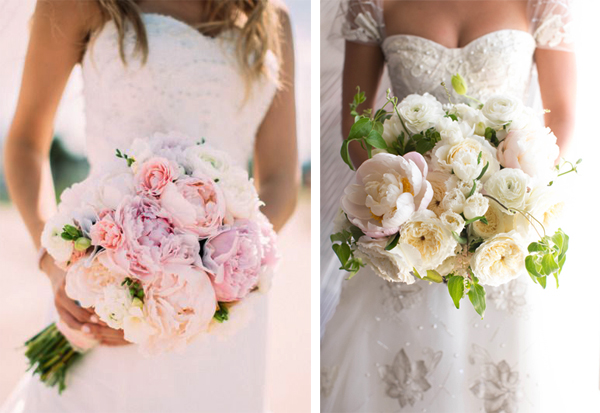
234 260
181 249
107 233
196 204
154 175
268 240
179 304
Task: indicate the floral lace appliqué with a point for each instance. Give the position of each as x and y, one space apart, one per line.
363 29
400 296
328 378
498 385
553 32
509 297
406 380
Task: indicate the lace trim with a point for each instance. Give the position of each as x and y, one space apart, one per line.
364 29
553 31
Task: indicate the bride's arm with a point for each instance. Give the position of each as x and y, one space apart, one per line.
557 77
57 41
363 67
275 152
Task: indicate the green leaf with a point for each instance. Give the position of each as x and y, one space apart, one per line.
66 236
356 232
378 127
456 288
536 247
341 236
472 191
393 242
423 146
477 298
479 157
458 238
345 152
481 218
343 252
490 135
222 313
542 281
375 139
433 276
483 171
72 231
360 129
549 264
416 273
475 244
531 266
452 116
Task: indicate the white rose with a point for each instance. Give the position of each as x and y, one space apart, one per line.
499 260
509 186
427 238
59 248
240 194
453 221
454 201
498 222
475 206
502 109
420 112
203 160
445 155
441 183
389 265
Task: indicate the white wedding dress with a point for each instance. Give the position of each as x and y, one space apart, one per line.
397 347
189 84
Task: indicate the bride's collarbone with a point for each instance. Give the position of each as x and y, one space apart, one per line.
453 24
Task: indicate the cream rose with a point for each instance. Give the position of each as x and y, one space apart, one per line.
389 265
441 183
498 222
420 112
502 109
426 237
387 191
499 260
509 186
475 206
464 156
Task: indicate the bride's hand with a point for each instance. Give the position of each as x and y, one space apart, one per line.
75 316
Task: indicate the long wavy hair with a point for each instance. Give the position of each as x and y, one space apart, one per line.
256 20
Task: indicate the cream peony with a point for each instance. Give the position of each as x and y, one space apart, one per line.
530 150
387 191
475 206
426 237
463 156
509 186
420 112
502 109
499 260
389 265
498 222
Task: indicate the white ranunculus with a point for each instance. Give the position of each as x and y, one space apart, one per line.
387 190
475 206
454 201
441 183
426 237
113 305
240 194
467 186
446 156
452 221
389 265
453 132
546 205
531 150
467 166
206 161
392 129
471 116
499 259
498 222
59 248
502 109
420 112
509 186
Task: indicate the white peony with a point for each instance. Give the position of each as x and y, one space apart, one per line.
240 194
59 248
204 160
529 119
499 259
454 201
425 236
509 186
502 109
389 265
136 328
420 112
387 190
453 221
340 222
475 206
498 222
464 155
112 188
546 205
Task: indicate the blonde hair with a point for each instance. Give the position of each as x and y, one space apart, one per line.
257 22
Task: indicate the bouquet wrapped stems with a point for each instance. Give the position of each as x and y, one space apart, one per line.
50 356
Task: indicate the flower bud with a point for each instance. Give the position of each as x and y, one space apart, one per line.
136 302
82 243
459 84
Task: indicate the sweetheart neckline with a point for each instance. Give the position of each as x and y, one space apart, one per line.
185 25
495 32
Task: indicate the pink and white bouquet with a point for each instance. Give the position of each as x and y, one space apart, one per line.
460 194
162 246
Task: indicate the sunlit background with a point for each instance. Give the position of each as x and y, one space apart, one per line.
24 291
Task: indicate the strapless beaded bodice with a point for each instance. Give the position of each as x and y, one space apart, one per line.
499 62
190 84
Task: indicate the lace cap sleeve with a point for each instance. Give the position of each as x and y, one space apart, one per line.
552 24
362 21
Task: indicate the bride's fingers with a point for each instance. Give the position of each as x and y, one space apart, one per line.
104 333
115 342
68 319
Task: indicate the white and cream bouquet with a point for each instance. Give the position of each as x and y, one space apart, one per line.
465 195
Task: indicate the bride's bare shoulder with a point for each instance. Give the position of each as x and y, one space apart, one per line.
70 17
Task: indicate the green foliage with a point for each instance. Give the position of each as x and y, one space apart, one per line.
456 288
431 275
547 257
130 160
483 171
481 218
222 313
458 238
393 242
345 249
477 297
490 135
71 233
135 288
473 188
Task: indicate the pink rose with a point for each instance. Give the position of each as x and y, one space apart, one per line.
196 204
179 304
234 259
154 175
107 233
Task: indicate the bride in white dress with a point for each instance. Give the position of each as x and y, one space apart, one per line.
398 347
212 69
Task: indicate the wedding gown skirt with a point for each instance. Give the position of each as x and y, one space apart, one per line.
190 84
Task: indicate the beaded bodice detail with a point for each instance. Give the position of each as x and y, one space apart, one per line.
499 62
190 84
